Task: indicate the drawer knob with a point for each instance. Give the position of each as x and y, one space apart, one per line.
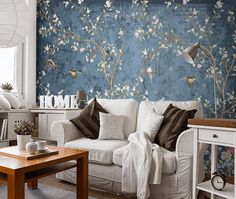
215 136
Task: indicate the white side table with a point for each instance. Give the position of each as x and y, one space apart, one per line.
215 132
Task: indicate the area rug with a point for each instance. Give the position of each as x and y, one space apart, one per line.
43 192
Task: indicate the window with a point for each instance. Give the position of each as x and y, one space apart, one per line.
7 65
11 67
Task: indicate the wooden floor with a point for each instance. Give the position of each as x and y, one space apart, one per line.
52 181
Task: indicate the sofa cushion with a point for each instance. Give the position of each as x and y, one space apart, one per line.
168 164
126 107
100 151
161 106
88 122
175 122
111 127
152 124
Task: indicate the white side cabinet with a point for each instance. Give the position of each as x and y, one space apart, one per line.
47 116
215 132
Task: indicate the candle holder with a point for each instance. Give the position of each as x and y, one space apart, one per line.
81 98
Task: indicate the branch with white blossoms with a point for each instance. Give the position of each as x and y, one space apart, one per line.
123 90
96 48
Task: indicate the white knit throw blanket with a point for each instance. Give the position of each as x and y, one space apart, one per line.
141 166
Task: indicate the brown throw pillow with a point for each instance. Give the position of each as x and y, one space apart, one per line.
175 122
88 122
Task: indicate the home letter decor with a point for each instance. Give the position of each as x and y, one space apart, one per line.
46 101
61 102
41 101
67 101
50 101
73 101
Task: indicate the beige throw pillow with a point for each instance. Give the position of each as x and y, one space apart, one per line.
111 127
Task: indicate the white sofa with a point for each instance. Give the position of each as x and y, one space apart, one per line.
105 156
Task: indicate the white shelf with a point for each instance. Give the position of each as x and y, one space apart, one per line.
227 192
53 110
14 110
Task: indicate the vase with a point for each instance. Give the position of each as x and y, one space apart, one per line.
31 147
22 140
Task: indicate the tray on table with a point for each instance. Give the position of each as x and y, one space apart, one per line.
14 152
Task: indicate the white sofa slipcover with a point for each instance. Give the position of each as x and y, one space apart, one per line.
105 160
100 151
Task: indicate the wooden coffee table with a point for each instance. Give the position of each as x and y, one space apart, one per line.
16 172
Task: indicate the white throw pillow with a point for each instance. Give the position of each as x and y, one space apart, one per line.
152 124
4 104
12 99
111 127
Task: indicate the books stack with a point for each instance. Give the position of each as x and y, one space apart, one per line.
3 129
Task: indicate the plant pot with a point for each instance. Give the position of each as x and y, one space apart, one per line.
22 140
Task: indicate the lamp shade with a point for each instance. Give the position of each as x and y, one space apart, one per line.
14 22
190 53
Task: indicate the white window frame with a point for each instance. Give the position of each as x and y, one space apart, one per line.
18 70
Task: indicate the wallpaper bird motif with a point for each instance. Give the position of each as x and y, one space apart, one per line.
132 49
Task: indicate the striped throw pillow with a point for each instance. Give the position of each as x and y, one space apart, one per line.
88 122
174 123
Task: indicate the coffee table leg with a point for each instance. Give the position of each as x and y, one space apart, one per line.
82 177
16 186
32 184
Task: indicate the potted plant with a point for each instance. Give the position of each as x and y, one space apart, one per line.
7 87
24 130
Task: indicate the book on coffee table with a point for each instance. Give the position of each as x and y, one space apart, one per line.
14 152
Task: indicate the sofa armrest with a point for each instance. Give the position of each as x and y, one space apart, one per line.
64 131
184 153
184 144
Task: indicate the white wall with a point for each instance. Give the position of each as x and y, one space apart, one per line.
29 58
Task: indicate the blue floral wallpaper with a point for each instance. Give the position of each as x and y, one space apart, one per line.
132 49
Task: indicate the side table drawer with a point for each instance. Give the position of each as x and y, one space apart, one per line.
225 137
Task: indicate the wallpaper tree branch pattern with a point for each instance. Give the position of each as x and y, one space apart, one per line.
132 49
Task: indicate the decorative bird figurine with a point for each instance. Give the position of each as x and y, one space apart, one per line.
50 63
189 80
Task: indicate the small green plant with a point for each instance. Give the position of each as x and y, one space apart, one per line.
24 127
7 86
